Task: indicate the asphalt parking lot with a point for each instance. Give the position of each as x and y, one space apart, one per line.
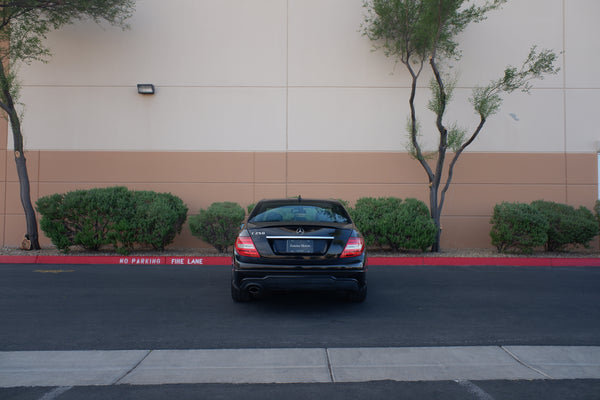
165 312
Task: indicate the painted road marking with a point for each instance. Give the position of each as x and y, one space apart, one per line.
53 271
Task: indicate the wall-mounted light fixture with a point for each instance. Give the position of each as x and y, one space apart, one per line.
145 88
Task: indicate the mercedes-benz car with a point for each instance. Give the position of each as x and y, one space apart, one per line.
299 244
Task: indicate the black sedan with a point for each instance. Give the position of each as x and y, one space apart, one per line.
299 244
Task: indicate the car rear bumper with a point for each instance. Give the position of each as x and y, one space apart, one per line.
258 278
298 282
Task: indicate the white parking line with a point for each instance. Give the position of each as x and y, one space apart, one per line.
54 393
475 390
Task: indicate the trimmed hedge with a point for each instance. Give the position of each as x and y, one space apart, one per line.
413 227
541 223
567 225
518 226
111 216
389 221
219 224
372 217
159 217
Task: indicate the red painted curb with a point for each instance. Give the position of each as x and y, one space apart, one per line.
114 260
576 262
18 259
487 261
389 261
395 260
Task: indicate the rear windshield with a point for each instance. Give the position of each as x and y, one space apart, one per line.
299 212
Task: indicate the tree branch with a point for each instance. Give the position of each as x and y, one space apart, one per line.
413 133
457 155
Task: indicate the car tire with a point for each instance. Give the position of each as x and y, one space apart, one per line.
357 296
238 295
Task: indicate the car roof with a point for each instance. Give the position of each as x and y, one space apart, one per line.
299 200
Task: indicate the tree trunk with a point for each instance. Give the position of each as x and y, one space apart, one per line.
434 181
32 240
436 203
436 216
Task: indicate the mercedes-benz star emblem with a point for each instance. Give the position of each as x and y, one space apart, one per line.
300 231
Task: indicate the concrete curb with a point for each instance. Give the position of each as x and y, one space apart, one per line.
391 261
296 365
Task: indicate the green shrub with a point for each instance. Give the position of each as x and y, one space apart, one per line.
519 227
111 216
391 222
412 227
567 225
372 218
84 217
54 223
158 218
219 224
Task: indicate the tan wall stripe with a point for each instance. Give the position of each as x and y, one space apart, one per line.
200 178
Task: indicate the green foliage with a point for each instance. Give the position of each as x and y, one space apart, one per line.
391 222
53 222
541 223
111 216
84 217
413 30
567 225
25 23
421 32
441 96
371 217
158 218
23 28
456 137
518 227
486 100
218 225
413 227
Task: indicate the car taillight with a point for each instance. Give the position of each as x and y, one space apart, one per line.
354 247
245 247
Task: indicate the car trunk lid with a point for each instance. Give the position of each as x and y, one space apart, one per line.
299 241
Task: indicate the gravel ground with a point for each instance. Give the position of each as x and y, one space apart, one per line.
175 251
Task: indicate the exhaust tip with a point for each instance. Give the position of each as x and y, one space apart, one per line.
254 289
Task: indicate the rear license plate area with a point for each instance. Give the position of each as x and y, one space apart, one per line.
299 246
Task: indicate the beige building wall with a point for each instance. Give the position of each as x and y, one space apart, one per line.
269 98
200 178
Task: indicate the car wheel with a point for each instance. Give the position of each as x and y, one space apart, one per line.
238 295
357 296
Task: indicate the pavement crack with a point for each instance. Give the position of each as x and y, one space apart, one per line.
523 363
118 380
329 366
